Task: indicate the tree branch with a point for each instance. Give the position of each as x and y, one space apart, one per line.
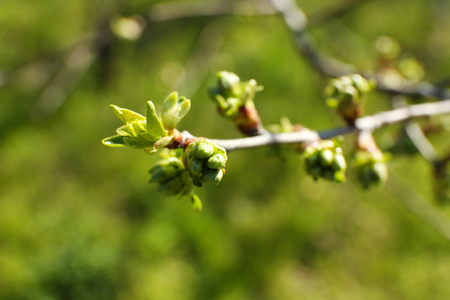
165 12
416 134
368 123
296 21
419 206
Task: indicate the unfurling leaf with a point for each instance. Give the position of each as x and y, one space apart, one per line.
154 124
174 109
126 115
114 141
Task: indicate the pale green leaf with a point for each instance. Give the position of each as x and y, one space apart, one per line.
154 125
161 143
196 203
114 141
174 110
126 115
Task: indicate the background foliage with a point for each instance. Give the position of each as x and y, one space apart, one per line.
79 221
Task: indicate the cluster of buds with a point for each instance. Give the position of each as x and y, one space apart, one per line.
325 159
370 162
396 69
153 131
205 161
371 168
171 175
235 101
173 178
348 94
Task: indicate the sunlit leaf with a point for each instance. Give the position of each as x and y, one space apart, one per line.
154 124
126 115
114 141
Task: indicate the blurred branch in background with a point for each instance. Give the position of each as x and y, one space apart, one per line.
419 206
296 21
193 9
75 66
334 11
79 58
197 66
416 134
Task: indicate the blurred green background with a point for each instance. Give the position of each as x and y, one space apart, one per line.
79 220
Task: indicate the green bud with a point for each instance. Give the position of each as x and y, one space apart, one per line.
312 159
197 181
161 173
326 144
173 186
196 203
203 160
339 176
326 157
195 166
310 150
171 174
216 161
332 90
328 174
360 83
345 80
371 167
339 162
315 172
213 175
229 82
381 171
204 150
349 92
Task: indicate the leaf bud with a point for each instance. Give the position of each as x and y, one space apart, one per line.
213 175
325 159
348 93
204 150
229 82
216 161
170 174
205 161
166 169
195 166
371 168
339 162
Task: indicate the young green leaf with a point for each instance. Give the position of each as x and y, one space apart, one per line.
174 109
163 142
126 115
154 125
114 141
196 203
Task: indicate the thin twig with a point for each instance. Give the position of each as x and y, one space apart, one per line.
196 67
368 123
416 134
334 11
57 90
296 21
419 206
172 11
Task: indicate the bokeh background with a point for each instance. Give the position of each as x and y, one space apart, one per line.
79 221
